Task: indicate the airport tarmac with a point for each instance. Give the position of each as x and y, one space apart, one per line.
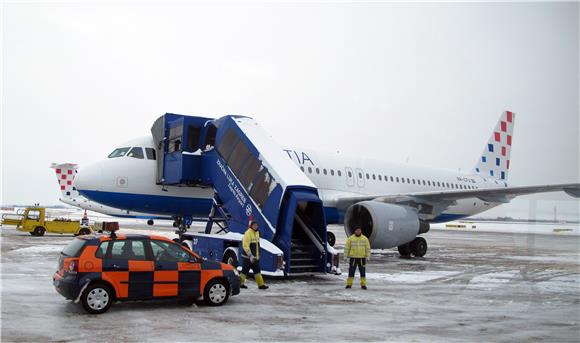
471 286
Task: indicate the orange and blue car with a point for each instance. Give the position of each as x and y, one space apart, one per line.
98 270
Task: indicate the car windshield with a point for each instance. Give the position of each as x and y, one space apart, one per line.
119 152
74 248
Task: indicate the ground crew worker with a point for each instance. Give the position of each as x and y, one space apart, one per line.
251 256
358 250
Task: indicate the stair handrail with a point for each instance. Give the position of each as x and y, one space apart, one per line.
309 234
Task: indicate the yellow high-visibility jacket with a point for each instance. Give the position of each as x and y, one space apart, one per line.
251 243
357 247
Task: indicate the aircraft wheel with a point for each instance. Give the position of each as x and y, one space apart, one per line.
418 247
404 250
331 238
150 222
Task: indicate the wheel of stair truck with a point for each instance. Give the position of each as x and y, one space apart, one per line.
418 247
150 222
216 293
39 231
230 257
404 250
330 238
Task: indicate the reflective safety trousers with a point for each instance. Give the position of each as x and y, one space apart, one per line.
251 243
357 247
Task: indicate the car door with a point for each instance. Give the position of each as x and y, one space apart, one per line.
177 272
32 219
130 267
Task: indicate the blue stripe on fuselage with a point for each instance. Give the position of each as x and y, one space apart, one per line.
158 204
198 207
447 217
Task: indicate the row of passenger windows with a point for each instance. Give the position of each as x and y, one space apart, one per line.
135 152
324 171
386 178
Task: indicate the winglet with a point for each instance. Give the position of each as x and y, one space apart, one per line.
494 161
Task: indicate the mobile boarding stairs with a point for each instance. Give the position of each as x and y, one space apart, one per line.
253 180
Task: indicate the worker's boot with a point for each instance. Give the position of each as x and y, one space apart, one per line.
363 282
349 282
243 281
260 281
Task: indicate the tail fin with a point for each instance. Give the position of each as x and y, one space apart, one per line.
65 175
495 159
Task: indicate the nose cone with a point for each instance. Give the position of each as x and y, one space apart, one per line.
89 178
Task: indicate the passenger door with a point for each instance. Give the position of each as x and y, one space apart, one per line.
130 267
177 273
360 178
349 177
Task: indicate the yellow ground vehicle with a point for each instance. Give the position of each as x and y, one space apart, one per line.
33 220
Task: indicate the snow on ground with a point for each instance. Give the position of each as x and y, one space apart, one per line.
471 286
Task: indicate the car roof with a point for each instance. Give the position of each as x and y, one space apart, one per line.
122 236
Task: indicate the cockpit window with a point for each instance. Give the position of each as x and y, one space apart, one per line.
150 153
119 152
136 152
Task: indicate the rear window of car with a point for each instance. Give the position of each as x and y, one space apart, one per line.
74 248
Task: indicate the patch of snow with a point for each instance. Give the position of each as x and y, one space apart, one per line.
558 258
492 280
410 277
39 249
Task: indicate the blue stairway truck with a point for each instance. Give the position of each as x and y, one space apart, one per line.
253 180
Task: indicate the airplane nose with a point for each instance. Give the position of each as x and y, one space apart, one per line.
89 178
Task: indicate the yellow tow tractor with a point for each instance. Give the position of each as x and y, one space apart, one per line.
33 220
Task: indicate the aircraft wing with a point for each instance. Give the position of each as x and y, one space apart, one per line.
432 203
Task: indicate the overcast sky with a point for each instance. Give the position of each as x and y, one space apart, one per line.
422 82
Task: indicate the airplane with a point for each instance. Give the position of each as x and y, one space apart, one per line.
65 175
355 191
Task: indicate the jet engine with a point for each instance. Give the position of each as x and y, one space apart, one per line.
385 225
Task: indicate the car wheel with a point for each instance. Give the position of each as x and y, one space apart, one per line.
39 231
216 293
230 258
97 298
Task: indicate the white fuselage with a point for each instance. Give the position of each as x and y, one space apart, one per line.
131 183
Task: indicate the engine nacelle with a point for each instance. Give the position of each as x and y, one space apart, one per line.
385 225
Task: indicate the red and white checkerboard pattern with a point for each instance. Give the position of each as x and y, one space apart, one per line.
65 175
494 162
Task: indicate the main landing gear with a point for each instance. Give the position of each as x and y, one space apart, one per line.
417 248
182 224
